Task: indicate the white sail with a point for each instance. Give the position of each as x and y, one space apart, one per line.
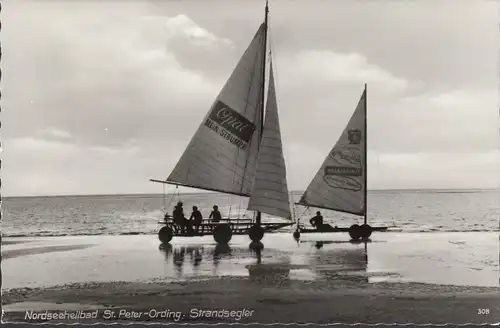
340 183
270 190
221 155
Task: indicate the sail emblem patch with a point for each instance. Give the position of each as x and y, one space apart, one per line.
354 136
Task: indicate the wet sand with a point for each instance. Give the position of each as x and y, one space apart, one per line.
314 281
8 254
297 302
14 242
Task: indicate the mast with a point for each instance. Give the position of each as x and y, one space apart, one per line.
365 164
263 87
263 92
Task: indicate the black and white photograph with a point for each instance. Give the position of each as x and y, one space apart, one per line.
250 161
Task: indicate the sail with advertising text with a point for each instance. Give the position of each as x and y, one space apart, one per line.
340 183
270 190
222 154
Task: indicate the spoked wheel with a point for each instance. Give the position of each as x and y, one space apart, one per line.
355 232
256 233
223 233
165 234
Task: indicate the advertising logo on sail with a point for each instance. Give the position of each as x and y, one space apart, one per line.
346 171
230 125
346 156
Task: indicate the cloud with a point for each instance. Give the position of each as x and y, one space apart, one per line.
449 121
119 73
56 133
183 26
434 170
346 68
131 166
393 170
110 94
46 167
450 161
321 89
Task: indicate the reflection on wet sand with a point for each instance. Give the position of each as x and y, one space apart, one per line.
340 263
267 272
221 251
324 260
179 254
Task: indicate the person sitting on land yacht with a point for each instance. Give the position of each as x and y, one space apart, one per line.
196 219
215 215
317 221
179 218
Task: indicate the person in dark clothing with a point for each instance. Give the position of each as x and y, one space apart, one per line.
215 215
317 221
178 216
196 219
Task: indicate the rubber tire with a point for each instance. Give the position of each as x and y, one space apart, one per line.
165 234
256 233
355 231
223 234
366 231
296 234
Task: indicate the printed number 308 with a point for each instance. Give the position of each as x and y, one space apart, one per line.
483 311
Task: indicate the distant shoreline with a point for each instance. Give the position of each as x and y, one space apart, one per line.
427 191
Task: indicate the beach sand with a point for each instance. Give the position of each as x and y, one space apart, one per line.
397 278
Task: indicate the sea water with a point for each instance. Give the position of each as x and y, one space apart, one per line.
401 211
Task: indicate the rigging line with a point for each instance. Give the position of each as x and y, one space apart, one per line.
177 193
172 197
306 210
236 155
169 200
300 216
164 200
252 77
294 212
258 114
239 211
272 57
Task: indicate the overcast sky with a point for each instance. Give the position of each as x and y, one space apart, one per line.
100 96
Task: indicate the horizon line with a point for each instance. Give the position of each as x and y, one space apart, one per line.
450 190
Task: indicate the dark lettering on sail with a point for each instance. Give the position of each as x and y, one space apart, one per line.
343 171
348 171
230 125
232 121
